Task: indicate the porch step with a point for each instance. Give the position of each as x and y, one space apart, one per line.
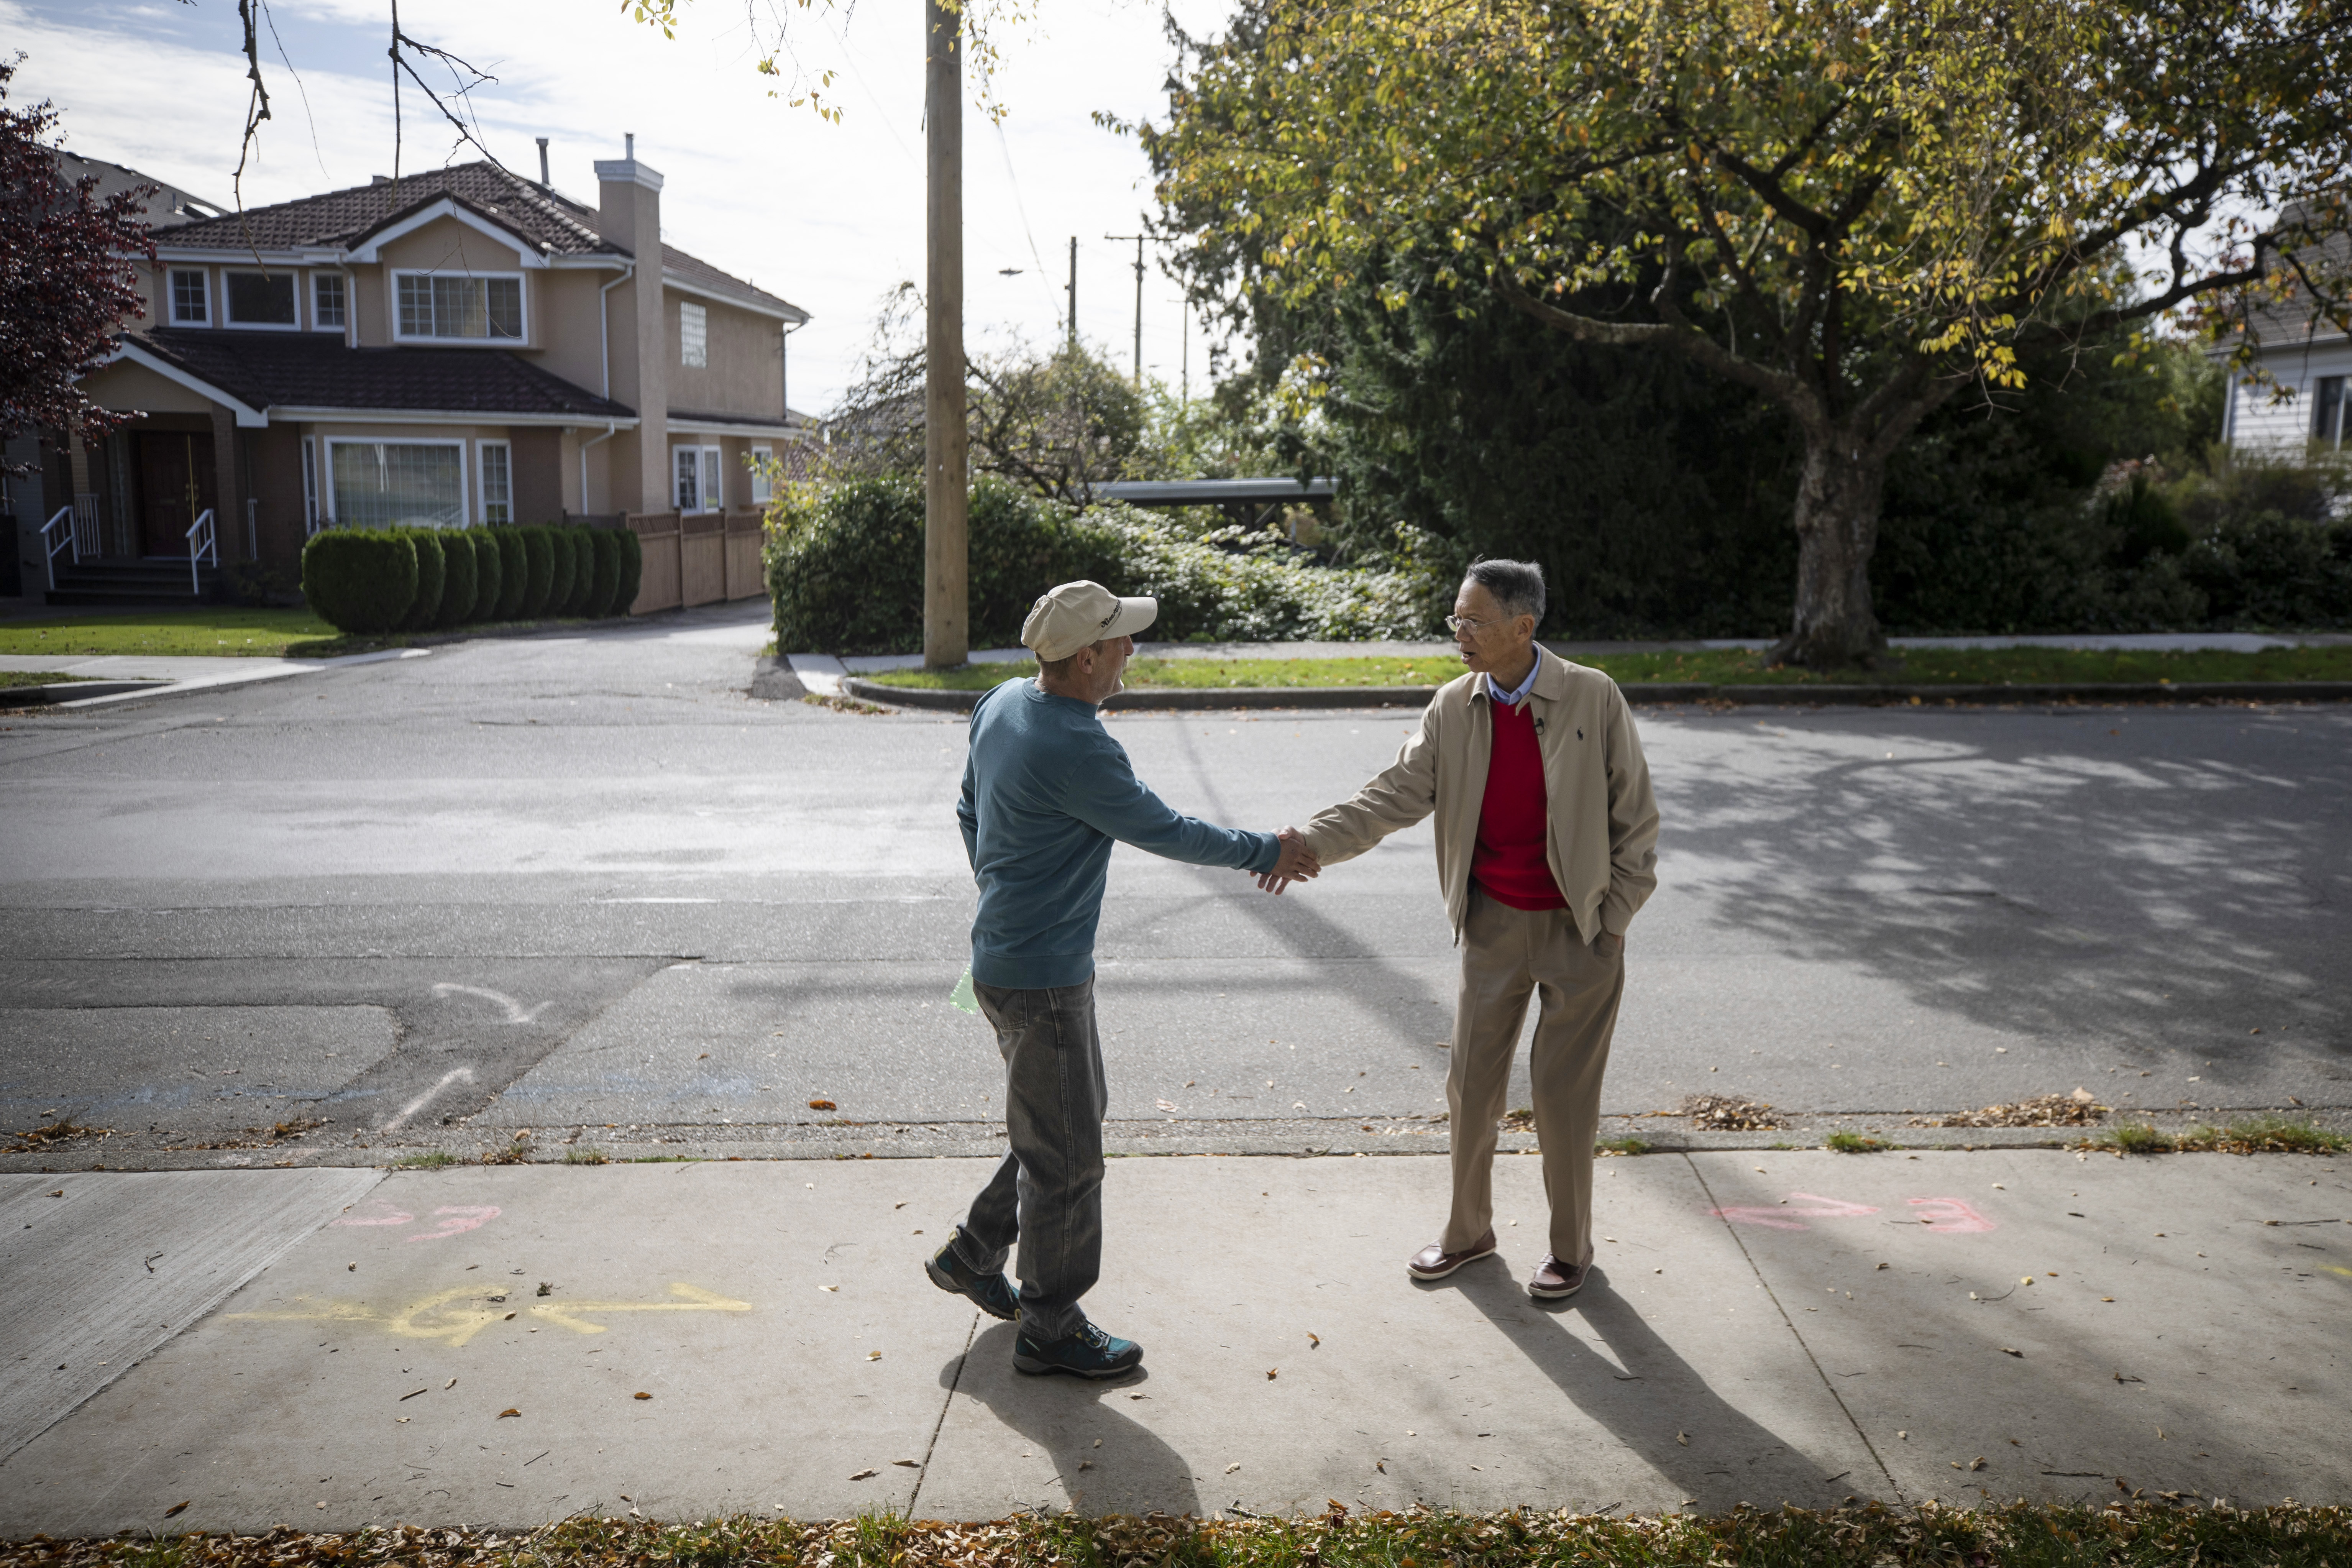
155 581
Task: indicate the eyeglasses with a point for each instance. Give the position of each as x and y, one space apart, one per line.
1465 624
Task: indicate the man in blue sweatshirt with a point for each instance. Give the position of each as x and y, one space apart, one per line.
1045 792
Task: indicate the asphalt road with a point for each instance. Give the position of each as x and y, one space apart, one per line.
587 882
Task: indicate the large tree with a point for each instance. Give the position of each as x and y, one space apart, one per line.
65 280
1857 209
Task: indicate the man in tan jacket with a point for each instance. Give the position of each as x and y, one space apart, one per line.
1547 844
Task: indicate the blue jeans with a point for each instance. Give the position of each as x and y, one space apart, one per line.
1048 1192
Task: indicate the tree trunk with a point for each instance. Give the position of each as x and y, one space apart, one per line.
1837 529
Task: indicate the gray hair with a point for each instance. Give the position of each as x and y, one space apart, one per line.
1518 586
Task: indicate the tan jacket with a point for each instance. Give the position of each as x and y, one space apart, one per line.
1605 820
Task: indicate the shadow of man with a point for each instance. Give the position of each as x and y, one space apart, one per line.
1658 1406
1077 1422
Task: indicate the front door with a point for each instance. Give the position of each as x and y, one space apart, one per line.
175 485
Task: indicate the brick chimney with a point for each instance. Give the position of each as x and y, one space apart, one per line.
628 218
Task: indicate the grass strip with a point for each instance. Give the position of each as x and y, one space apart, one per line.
9 677
2124 1534
2251 1135
1718 666
225 632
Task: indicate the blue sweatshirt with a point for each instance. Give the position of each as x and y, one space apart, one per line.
1045 790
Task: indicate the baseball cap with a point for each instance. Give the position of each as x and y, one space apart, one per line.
1079 615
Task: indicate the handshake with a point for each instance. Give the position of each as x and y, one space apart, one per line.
1296 863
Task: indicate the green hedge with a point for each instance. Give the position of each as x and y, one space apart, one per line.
604 545
584 569
633 569
489 575
844 570
360 581
538 573
564 571
461 578
432 579
514 573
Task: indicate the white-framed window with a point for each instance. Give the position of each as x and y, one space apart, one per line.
762 493
693 335
497 468
2327 420
695 478
396 484
328 306
259 300
460 307
190 306
309 489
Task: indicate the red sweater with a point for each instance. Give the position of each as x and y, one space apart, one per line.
1512 859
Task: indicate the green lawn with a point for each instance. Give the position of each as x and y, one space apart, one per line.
35 678
1961 666
224 631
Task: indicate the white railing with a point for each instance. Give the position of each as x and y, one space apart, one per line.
85 510
66 537
202 546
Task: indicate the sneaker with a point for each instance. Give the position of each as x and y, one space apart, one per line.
1089 1352
991 1293
1433 1262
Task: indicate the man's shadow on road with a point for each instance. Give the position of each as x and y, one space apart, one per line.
1658 1406
1132 1471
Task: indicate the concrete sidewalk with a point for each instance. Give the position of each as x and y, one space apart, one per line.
505 1346
185 673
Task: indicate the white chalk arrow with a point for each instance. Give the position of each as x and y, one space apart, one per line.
515 1011
454 1075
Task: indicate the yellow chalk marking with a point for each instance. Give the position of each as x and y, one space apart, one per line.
436 1317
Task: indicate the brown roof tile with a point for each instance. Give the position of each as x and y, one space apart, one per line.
302 370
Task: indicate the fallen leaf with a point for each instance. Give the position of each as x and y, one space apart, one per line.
1882 1266
1313 1341
1978 1463
544 1288
2019 1354
401 1420
641 1394
1164 1105
898 1206
862 1475
409 1396
177 1506
450 1385
1683 1438
827 1105
1086 1464
1231 1469
828 1286
508 1318
910 1464
510 1410
351 1268
1270 1371
872 1355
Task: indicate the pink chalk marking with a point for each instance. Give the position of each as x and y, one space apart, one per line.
375 1211
1950 1216
1780 1216
461 1219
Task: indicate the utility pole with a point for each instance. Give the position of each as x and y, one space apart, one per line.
1138 303
1074 292
947 557
1184 337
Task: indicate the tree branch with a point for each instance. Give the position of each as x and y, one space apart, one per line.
1773 384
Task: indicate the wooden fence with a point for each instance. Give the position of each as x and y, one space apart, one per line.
698 558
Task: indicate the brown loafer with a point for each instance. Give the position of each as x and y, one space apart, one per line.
1433 1262
1553 1279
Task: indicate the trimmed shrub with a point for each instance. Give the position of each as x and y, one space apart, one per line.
539 572
489 575
605 544
431 576
845 571
460 578
514 572
360 581
584 569
563 571
633 570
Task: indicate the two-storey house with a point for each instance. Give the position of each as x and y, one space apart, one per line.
457 347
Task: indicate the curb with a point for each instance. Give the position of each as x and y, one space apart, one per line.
72 691
1658 693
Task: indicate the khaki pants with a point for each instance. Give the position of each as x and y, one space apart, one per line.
1507 953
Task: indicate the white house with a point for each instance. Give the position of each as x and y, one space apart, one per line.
2306 358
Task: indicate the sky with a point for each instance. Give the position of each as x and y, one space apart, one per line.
828 216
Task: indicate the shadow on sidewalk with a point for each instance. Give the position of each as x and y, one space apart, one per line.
1132 1472
1656 1399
